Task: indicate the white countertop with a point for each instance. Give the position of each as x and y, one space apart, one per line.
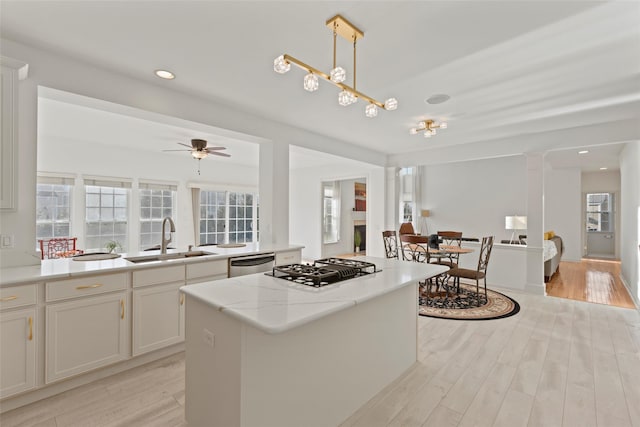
275 305
67 267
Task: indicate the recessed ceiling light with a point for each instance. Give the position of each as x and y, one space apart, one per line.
164 74
583 152
437 99
603 169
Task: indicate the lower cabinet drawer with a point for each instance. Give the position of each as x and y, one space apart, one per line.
83 286
207 269
17 296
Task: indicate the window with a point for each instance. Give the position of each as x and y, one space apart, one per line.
106 214
599 215
157 201
407 194
227 216
212 217
240 217
331 212
53 207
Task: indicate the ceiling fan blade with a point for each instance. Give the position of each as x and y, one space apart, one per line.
185 145
215 148
215 153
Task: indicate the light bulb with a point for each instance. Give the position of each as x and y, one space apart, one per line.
427 134
338 75
311 82
371 110
413 131
280 65
352 98
390 104
443 125
344 98
422 125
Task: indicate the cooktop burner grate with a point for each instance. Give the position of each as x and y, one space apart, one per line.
323 272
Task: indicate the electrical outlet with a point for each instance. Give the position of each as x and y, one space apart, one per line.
208 337
7 241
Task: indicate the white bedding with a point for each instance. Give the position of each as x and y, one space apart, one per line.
549 249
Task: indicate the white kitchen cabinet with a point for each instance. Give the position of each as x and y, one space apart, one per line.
158 317
17 351
85 334
288 257
11 72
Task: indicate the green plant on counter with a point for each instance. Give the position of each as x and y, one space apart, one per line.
113 246
357 239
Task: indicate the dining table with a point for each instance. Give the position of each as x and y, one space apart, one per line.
415 247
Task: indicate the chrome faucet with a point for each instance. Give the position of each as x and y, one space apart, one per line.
165 241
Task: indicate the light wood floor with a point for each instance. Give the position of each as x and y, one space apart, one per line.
590 280
556 363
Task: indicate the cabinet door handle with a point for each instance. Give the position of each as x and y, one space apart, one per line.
181 299
97 285
11 298
30 328
122 309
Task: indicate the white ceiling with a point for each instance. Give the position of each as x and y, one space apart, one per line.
511 68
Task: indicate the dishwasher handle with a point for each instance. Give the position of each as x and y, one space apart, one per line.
252 260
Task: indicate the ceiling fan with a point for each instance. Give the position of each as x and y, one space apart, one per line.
199 150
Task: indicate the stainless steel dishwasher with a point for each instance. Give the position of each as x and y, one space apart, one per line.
251 264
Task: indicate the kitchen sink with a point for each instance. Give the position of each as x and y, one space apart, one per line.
167 257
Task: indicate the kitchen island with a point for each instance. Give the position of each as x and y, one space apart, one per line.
263 351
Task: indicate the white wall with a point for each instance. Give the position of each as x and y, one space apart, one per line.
305 188
630 221
66 74
563 209
474 197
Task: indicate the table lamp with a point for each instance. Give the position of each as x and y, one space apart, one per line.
515 223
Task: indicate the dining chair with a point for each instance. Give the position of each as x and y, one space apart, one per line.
58 247
406 228
390 244
479 273
413 248
449 238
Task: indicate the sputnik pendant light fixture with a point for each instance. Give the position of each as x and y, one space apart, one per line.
349 94
428 127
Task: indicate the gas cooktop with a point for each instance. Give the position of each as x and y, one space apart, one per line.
323 271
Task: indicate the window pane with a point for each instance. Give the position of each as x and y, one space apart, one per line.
106 216
53 207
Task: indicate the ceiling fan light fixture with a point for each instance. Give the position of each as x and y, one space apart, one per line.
199 154
349 94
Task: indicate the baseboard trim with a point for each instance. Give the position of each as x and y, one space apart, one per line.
48 390
535 288
633 297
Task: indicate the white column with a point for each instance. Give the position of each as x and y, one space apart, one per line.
274 192
535 222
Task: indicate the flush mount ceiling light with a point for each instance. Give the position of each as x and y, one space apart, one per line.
428 127
164 74
349 95
583 152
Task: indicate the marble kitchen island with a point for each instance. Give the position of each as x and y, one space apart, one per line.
263 351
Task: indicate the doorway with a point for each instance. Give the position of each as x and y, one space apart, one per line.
600 225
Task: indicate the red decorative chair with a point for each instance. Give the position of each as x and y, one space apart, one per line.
59 247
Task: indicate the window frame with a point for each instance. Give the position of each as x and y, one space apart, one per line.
114 184
55 180
155 224
228 235
593 213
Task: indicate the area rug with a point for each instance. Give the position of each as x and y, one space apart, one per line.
464 306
